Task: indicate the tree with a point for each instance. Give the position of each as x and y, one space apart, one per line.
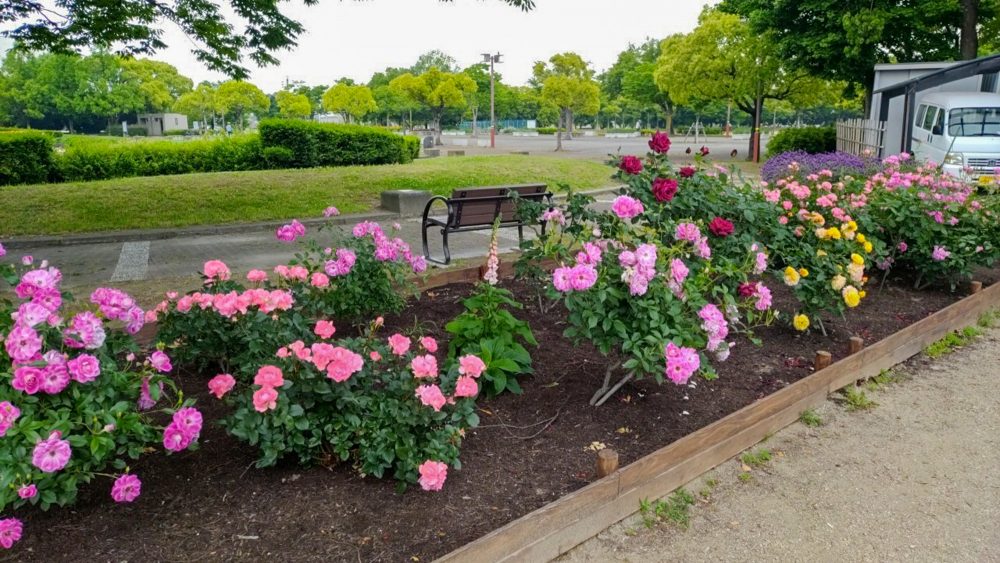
293 106
436 91
105 88
239 98
134 27
199 103
843 40
21 98
351 101
434 59
567 83
723 60
631 77
159 83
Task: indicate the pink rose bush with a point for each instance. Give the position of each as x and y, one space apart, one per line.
386 405
231 322
657 277
75 402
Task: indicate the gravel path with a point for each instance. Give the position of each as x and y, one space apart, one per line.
913 479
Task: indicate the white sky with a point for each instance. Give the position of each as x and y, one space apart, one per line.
356 39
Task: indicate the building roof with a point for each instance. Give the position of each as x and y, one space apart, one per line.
957 71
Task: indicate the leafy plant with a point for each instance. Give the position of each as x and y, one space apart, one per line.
675 508
856 399
488 329
756 458
76 403
810 418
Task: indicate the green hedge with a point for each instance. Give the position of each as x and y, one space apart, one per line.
546 130
156 158
25 157
328 144
813 140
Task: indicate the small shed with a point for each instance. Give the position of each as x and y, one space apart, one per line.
158 124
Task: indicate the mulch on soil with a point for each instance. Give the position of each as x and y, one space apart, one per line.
211 504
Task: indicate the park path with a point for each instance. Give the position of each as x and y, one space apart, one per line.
913 479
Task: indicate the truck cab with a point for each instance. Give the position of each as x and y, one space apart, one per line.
961 132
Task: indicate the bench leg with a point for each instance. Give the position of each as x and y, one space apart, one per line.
444 243
427 250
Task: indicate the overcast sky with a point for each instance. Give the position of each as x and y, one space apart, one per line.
356 39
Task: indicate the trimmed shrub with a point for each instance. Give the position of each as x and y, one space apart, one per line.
25 157
412 145
546 130
121 160
133 131
812 140
175 132
328 144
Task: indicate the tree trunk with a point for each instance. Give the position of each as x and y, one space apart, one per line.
437 130
559 126
569 124
970 38
755 150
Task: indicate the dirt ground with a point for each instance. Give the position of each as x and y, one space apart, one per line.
913 479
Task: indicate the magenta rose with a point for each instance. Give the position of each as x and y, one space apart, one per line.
659 143
721 227
631 164
664 189
687 171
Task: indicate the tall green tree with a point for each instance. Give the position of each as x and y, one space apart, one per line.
238 98
21 97
353 101
632 77
199 104
293 106
159 83
567 82
724 60
436 91
843 40
135 27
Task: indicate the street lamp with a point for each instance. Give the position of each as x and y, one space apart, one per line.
492 59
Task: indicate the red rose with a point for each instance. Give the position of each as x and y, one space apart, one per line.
631 164
720 227
747 289
687 171
660 143
664 189
704 151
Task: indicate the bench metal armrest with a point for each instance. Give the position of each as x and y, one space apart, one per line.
447 202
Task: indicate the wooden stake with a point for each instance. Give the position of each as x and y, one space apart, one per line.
823 360
607 462
856 344
975 287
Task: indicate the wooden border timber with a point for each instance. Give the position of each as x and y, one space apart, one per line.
563 524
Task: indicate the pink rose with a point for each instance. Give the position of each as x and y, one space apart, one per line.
324 329
27 491
265 399
627 207
466 387
424 366
51 454
256 276
84 368
432 475
160 361
10 532
319 279
126 488
269 376
221 384
374 355
216 270
399 344
471 366
429 344
431 396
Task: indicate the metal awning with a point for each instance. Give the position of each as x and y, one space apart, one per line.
909 88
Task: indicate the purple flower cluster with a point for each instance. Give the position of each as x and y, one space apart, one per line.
116 304
389 250
182 430
801 164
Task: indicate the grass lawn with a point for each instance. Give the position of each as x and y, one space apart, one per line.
235 197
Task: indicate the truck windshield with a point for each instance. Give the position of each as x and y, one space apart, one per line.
974 122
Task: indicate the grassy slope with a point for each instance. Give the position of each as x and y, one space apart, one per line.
233 197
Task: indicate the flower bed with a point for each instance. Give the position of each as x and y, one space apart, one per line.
529 450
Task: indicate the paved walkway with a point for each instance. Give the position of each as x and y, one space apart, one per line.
138 259
914 479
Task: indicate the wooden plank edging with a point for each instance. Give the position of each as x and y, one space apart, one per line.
559 526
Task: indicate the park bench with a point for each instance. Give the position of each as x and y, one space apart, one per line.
475 209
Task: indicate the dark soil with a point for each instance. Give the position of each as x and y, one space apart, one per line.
212 505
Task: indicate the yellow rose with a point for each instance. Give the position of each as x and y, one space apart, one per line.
800 322
851 296
821 233
820 253
833 233
857 259
838 282
869 247
852 226
861 238
856 272
863 294
849 235
804 272
791 276
817 219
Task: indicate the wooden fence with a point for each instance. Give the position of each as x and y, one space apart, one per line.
861 137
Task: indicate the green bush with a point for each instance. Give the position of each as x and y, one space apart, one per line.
156 158
412 145
813 140
329 144
175 132
546 130
25 157
133 131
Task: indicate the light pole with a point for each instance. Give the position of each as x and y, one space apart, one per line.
492 59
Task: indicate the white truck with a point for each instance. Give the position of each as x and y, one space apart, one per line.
960 131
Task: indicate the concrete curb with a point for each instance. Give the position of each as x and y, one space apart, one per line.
111 237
